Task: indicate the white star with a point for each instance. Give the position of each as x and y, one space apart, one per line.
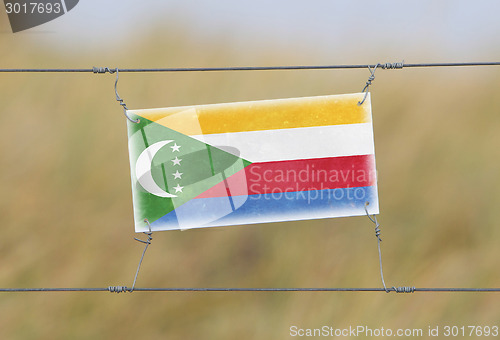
176 161
178 175
178 188
175 147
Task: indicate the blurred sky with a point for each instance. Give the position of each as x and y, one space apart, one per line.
348 31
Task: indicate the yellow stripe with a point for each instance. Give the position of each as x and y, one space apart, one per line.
262 115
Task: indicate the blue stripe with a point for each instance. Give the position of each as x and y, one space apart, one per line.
275 207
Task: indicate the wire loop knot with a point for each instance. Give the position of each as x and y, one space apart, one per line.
371 78
368 83
392 66
373 218
120 100
404 289
149 233
118 289
102 70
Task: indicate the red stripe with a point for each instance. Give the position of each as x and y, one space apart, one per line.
298 175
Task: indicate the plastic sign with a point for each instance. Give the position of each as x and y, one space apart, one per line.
252 162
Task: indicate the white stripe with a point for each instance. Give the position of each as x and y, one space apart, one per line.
297 143
64 6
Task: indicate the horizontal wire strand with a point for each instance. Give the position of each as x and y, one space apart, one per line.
245 68
125 289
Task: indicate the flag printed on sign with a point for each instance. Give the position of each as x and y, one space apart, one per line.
252 162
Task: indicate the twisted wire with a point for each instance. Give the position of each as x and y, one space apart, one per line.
404 289
118 99
368 83
377 234
373 218
392 66
103 70
117 289
147 243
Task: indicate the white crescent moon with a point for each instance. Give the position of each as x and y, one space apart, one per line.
143 170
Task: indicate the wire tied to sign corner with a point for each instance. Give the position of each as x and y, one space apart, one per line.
102 70
147 242
371 78
149 234
373 218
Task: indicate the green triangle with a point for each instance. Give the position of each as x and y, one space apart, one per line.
200 166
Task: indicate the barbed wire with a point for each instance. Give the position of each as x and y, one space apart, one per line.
398 65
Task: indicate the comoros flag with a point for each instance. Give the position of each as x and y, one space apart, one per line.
252 162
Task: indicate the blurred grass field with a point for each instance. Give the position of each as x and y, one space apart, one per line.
66 209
